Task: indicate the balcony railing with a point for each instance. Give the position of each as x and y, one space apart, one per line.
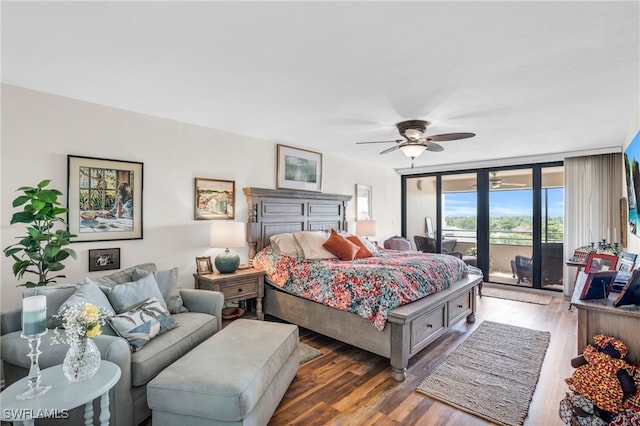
502 237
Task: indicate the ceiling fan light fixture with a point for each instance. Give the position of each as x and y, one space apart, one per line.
413 134
413 150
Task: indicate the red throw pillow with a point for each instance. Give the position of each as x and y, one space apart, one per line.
340 246
364 251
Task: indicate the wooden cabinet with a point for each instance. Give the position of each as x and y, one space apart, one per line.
599 316
241 285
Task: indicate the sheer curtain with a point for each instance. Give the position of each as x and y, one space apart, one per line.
592 188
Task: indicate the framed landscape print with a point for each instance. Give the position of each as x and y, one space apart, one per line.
215 199
104 199
299 169
363 202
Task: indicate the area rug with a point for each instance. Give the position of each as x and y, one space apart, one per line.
519 296
306 353
492 374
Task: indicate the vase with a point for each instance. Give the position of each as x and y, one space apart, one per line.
81 361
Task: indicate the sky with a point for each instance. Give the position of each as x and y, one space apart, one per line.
517 202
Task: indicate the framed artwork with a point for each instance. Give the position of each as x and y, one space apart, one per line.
363 202
428 226
299 169
204 265
600 262
632 174
598 284
104 199
630 293
104 259
214 199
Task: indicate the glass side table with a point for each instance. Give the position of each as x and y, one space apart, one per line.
62 397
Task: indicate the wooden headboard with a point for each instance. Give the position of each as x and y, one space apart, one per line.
274 211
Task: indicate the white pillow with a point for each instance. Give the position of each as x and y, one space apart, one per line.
369 245
311 243
287 245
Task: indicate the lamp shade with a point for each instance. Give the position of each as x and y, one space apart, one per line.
367 228
225 235
413 150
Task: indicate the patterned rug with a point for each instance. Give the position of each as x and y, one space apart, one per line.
306 353
519 296
492 374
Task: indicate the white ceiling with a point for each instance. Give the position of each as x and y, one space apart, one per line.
528 78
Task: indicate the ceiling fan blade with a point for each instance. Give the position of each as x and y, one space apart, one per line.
434 147
514 184
399 140
450 136
393 148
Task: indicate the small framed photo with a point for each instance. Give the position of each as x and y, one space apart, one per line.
299 169
630 293
363 202
215 199
600 262
204 265
598 284
104 259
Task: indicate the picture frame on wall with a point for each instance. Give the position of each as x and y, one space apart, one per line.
104 259
204 265
104 199
298 169
214 199
364 200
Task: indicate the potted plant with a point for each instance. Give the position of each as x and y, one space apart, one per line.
42 250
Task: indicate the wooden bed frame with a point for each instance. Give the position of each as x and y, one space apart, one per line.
410 327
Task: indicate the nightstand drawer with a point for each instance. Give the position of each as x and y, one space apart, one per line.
241 289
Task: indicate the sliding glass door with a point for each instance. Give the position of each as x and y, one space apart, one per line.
506 221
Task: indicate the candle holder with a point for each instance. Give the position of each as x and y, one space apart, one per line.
34 388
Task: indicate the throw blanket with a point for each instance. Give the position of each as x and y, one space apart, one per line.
369 287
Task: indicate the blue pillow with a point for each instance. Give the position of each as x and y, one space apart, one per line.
168 285
125 296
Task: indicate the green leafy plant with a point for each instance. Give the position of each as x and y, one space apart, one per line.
42 250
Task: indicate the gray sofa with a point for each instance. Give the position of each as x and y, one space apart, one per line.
128 399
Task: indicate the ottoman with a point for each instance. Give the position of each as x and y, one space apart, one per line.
236 377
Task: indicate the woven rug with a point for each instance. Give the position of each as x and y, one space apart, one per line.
519 296
306 353
492 374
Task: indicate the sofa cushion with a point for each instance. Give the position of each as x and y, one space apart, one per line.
165 349
125 275
56 296
142 323
14 350
168 285
125 296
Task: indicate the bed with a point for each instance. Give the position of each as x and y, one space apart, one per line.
410 327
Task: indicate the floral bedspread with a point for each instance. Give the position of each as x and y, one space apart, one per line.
369 287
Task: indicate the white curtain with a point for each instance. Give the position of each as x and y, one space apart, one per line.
592 192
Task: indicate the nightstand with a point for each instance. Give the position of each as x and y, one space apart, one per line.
241 285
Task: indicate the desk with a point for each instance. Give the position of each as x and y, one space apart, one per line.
62 396
599 316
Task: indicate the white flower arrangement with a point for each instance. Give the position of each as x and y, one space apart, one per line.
79 323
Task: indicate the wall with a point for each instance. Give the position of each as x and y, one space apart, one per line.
39 130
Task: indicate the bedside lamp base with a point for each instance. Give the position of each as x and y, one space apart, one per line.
227 262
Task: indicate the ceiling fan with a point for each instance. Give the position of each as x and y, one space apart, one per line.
415 142
496 182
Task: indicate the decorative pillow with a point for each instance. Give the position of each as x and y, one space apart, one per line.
287 245
89 292
142 323
124 296
363 250
340 246
168 284
311 243
369 245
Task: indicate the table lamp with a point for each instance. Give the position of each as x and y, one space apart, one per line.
225 235
366 228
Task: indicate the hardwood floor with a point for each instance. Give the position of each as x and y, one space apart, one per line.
349 386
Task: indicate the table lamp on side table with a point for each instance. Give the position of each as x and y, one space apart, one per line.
366 228
225 235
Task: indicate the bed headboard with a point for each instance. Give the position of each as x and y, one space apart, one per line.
274 211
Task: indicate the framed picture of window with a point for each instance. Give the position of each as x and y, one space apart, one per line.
364 199
298 169
600 262
104 199
214 199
